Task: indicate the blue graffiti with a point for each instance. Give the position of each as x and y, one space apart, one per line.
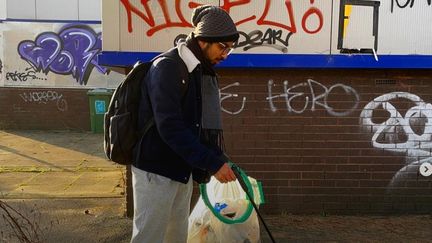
72 51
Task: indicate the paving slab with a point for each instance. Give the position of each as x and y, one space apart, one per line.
57 164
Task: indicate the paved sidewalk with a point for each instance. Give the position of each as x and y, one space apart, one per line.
56 164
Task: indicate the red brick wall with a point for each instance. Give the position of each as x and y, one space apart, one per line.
44 108
322 159
314 152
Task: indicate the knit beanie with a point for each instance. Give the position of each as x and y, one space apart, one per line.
213 24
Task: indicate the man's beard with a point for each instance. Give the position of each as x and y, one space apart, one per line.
206 55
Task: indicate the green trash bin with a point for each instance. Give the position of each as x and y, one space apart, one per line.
99 100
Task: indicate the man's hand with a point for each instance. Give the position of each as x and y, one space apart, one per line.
225 174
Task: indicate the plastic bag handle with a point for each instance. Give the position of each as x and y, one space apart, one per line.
246 182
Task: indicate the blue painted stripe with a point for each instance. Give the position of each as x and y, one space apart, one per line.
109 58
51 21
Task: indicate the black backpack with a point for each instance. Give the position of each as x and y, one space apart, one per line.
121 129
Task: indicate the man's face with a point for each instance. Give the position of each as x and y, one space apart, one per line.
216 52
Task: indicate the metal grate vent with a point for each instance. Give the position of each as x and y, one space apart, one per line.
384 81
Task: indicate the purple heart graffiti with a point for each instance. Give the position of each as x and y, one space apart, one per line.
70 52
42 52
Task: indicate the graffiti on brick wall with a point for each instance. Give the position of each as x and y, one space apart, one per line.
27 75
72 51
143 12
318 96
224 96
402 4
45 97
409 133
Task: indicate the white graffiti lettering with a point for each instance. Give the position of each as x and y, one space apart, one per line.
224 96
44 97
316 99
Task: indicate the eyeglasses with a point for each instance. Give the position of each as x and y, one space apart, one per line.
226 50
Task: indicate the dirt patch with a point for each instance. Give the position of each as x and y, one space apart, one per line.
73 220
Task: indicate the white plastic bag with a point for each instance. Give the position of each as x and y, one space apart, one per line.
230 200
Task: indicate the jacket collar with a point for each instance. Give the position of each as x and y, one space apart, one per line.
187 56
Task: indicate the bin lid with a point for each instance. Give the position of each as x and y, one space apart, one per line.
100 91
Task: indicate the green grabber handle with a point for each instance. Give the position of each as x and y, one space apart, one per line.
247 213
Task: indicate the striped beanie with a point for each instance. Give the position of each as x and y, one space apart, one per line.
213 24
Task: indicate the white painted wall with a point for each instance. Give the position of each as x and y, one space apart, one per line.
311 27
111 25
401 31
51 9
57 9
3 9
21 9
89 9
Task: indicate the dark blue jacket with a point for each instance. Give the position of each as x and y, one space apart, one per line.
173 148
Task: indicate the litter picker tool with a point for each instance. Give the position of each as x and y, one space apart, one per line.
238 172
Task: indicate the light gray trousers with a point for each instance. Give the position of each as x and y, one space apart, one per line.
161 208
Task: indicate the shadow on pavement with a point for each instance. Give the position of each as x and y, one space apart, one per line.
84 142
43 162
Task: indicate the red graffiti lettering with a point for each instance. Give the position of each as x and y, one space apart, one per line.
145 13
148 17
288 4
308 13
227 5
193 5
132 9
183 22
